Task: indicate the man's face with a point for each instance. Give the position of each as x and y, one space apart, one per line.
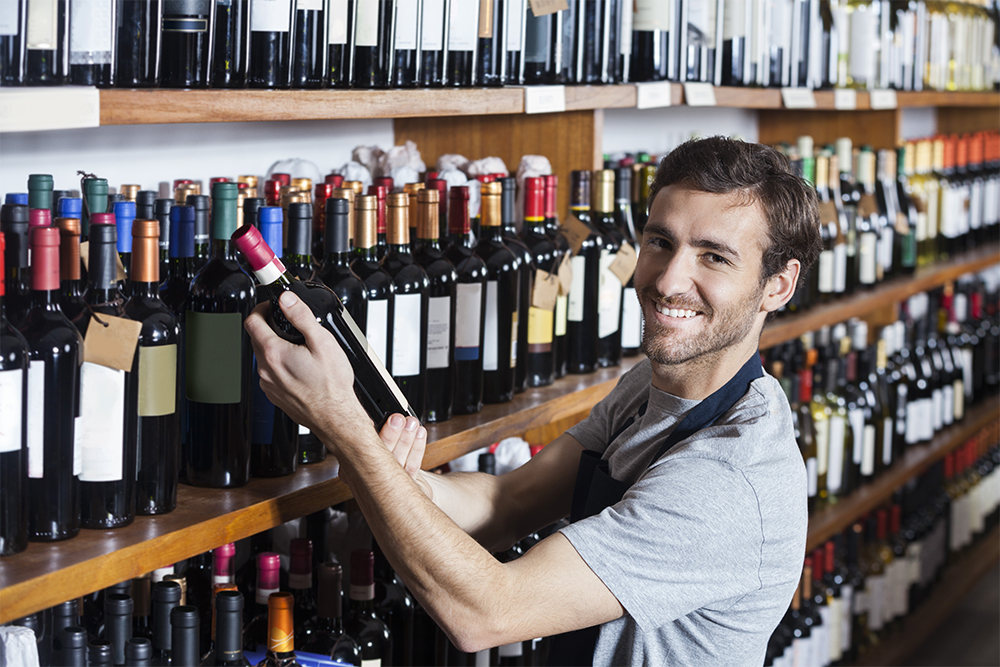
698 274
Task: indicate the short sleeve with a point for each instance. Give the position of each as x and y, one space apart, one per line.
686 535
595 431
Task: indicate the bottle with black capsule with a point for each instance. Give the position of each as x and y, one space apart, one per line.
100 653
137 47
202 239
185 43
231 44
117 624
381 288
298 251
14 220
64 615
525 274
582 314
138 652
73 653
539 353
227 650
336 272
184 636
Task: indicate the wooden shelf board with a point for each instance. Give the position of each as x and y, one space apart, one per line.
891 291
580 98
957 580
933 98
833 519
47 574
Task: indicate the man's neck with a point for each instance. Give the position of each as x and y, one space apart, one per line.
699 378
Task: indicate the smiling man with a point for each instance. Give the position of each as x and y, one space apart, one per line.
685 487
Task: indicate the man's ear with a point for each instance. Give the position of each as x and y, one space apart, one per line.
780 287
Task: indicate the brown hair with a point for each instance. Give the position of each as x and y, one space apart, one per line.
720 165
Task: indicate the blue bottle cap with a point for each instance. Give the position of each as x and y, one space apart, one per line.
182 231
69 207
271 227
16 198
124 216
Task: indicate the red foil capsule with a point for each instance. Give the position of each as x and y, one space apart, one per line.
44 259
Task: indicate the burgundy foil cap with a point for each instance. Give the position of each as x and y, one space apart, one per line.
486 178
102 219
44 258
268 569
272 192
460 192
386 182
301 550
284 179
551 195
251 244
39 217
458 214
181 181
323 191
218 179
441 186
381 193
430 176
362 568
336 180
225 551
534 196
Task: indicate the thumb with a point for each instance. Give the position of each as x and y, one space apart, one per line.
301 317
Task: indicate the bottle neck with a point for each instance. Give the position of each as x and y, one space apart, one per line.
144 289
222 249
491 233
338 258
368 254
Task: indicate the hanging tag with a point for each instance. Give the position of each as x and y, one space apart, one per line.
623 264
828 212
565 276
542 7
576 232
85 255
543 296
113 345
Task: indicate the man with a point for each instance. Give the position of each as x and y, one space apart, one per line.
695 556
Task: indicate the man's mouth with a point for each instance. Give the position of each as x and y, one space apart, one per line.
682 313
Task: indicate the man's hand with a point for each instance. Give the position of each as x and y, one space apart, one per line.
407 440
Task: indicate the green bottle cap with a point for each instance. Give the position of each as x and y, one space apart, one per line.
224 197
95 192
40 191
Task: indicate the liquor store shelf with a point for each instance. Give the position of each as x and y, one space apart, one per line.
833 519
957 580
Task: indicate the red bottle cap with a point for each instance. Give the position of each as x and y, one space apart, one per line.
896 521
39 217
458 210
949 151
284 179
831 553
882 520
336 180
949 465
301 550
218 179
272 192
805 385
268 570
430 176
551 195
181 181
323 192
44 258
102 219
486 178
818 561
534 199
386 182
380 192
362 568
252 246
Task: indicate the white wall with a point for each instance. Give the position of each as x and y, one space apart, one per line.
918 122
658 131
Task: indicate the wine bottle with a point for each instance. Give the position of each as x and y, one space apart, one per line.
582 316
71 293
404 55
184 635
338 48
270 24
154 371
117 624
14 220
307 47
525 275
590 52
52 491
139 652
562 250
230 50
327 636
463 32
202 238
137 44
441 322
539 356
14 359
255 616
362 623
610 288
631 330
166 596
185 43
395 606
491 48
470 306
280 636
408 361
124 212
74 647
100 653
432 50
174 289
227 649
512 37
47 43
219 359
541 51
370 20
12 41
336 272
500 325
91 46
381 289
300 584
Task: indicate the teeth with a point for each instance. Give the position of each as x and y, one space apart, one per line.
676 312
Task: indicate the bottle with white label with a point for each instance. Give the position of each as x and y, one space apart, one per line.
47 42
540 356
631 332
363 623
403 52
432 47
655 29
562 251
470 305
841 468
512 29
369 42
491 49
338 44
381 289
526 273
270 29
308 30
463 40
52 489
582 318
441 305
12 37
230 47
91 42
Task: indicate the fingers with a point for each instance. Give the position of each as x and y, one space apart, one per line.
391 431
302 318
406 439
257 326
415 457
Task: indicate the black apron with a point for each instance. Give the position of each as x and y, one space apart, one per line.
596 489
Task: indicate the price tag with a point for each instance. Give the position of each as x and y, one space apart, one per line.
653 95
544 99
112 343
543 7
565 275
576 232
699 95
798 98
828 212
546 290
85 254
882 99
867 205
623 264
845 99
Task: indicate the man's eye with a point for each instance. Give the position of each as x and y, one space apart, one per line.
658 242
716 259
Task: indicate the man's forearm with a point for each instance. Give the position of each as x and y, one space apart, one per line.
472 500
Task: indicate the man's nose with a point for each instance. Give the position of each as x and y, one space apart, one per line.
677 274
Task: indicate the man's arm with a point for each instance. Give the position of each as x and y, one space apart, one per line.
478 601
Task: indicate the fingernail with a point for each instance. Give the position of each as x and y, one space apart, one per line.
422 432
412 424
396 421
288 299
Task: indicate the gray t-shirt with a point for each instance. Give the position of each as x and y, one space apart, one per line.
705 549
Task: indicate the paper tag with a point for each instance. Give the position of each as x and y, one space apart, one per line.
543 7
699 94
576 232
653 95
798 98
827 212
867 205
85 255
544 99
565 275
882 99
845 99
546 290
624 264
112 345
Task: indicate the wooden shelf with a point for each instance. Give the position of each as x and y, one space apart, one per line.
836 518
957 580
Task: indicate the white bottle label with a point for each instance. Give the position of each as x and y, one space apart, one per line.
406 25
947 404
515 23
377 327
840 268
36 419
406 336
631 319
562 302
11 407
438 331
832 622
303 430
835 473
609 304
337 22
825 271
366 27
270 15
876 600
734 19
432 26
867 258
468 314
463 26
10 17
868 450
309 5
937 413
90 38
856 418
812 477
822 435
513 339
43 25
847 616
887 432
652 15
100 430
492 328
864 23
576 289
511 650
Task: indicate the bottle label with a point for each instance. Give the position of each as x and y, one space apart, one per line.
579 266
100 430
867 260
561 305
157 380
406 338
43 25
540 327
822 434
840 268
366 24
336 24
372 662
309 5
10 18
271 15
835 473
824 271
213 357
937 413
515 23
513 339
432 26
631 319
832 621
875 586
492 328
463 26
303 430
438 331
958 393
11 408
651 15
887 432
36 420
468 315
701 17
406 25
847 616
856 418
90 32
377 327
864 24
734 20
812 476
868 451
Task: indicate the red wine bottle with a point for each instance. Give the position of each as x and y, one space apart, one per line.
368 43
582 312
338 52
219 358
395 606
202 236
184 635
185 43
138 44
227 649
491 55
463 38
609 292
166 596
381 194
631 330
14 226
308 49
300 584
326 631
255 616
470 306
432 51
117 623
441 292
14 359
539 357
47 43
155 373
270 25
91 47
52 490
336 272
230 53
174 289
378 325
655 29
12 41
376 390
403 59
124 212
408 362
71 292
559 340
525 275
363 623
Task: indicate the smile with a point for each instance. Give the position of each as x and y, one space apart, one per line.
675 312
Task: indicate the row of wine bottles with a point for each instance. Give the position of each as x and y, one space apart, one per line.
407 43
857 589
858 405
